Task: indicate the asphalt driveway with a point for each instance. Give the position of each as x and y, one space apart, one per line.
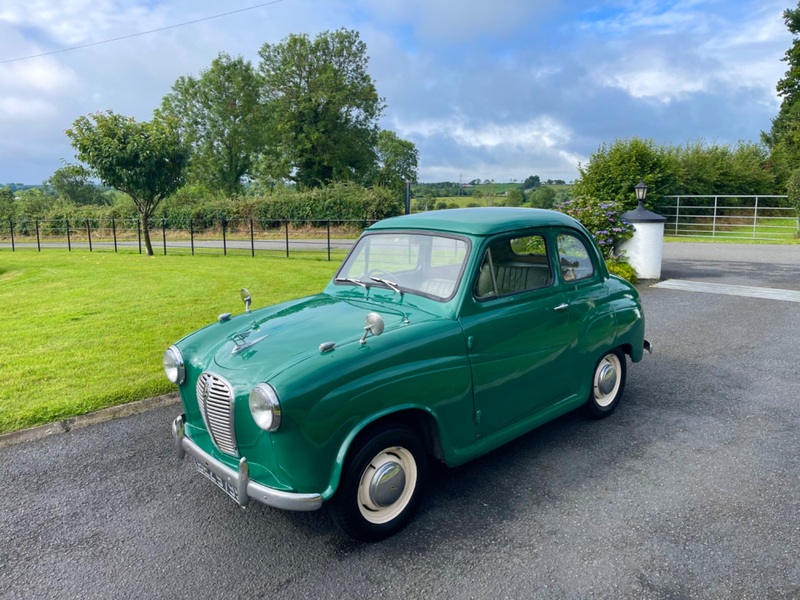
690 490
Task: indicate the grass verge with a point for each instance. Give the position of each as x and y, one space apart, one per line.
84 331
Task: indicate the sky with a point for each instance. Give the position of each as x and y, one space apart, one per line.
486 89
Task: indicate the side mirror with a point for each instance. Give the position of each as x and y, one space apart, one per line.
374 325
246 299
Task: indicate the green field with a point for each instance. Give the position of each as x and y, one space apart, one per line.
84 331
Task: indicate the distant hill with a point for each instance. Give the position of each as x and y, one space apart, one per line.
18 187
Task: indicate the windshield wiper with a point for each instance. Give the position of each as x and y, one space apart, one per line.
350 280
390 284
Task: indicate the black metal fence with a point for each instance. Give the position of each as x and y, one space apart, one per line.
225 236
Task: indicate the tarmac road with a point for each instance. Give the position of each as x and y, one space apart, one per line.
690 490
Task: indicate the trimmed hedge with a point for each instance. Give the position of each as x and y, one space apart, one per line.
336 202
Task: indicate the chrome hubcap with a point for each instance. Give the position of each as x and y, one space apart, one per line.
607 379
387 484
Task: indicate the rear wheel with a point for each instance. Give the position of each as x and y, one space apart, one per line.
608 383
381 485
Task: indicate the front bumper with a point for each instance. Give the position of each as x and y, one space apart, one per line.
238 483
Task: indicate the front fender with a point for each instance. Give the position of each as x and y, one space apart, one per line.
325 407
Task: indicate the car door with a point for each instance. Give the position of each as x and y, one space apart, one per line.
588 311
518 330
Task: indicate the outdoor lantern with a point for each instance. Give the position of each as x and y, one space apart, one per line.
641 190
645 249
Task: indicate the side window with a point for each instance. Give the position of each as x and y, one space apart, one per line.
573 258
513 265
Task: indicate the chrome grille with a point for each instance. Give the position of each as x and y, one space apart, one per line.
215 397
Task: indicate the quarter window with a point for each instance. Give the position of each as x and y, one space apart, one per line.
573 258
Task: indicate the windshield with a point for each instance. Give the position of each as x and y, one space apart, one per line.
419 263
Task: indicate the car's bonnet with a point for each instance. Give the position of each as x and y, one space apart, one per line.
277 337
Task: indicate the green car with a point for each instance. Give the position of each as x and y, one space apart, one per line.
443 335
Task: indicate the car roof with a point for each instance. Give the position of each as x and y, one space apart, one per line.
477 221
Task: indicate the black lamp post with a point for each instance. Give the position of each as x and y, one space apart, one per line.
641 214
641 192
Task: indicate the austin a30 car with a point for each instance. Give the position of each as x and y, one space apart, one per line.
442 336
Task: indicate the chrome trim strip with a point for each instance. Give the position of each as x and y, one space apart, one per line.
240 480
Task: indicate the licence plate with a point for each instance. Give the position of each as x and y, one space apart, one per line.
222 484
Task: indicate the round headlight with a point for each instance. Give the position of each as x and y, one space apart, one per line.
265 407
173 365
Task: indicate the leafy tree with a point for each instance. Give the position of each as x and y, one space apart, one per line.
531 182
783 139
7 208
32 203
793 193
221 116
324 108
73 183
397 162
720 169
749 170
515 197
146 160
613 171
543 197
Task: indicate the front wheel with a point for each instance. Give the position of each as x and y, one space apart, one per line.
381 485
608 383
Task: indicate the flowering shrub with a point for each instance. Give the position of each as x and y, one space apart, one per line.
619 266
602 219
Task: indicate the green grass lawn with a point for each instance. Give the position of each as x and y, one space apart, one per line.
84 331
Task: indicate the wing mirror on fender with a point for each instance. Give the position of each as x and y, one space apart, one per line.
246 299
374 325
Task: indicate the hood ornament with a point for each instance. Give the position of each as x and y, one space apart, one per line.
242 342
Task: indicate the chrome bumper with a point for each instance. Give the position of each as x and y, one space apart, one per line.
240 481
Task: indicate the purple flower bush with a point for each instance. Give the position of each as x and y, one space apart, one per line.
602 219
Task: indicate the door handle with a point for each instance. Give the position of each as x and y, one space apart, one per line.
561 306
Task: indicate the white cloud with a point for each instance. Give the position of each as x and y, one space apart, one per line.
504 151
44 76
653 78
686 49
535 133
24 108
504 88
71 22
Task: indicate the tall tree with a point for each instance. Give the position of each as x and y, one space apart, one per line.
532 181
7 211
221 116
73 183
783 139
146 160
324 107
397 162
